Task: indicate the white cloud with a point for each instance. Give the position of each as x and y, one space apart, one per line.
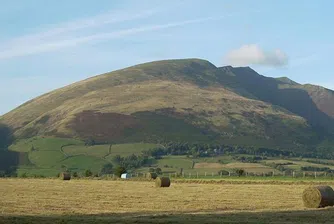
253 55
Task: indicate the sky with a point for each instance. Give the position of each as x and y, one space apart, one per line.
45 45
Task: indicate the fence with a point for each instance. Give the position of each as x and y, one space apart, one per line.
201 175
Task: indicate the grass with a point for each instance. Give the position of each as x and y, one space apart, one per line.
207 165
130 148
31 171
297 164
96 150
98 201
137 92
42 144
50 154
45 159
249 167
176 162
81 163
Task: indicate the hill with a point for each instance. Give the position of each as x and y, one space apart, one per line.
188 100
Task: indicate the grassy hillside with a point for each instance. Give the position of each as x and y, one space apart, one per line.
188 100
174 100
314 103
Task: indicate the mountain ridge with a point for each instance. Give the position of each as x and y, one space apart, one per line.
226 103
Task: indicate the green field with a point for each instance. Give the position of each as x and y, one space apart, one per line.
108 151
81 163
45 159
42 144
49 156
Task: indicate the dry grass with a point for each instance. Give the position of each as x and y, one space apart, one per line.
89 201
249 167
209 165
107 95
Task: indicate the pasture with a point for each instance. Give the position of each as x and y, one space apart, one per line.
47 155
106 201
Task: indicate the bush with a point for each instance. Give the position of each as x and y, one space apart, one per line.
90 142
158 170
38 176
240 172
118 171
88 173
107 169
151 170
24 175
75 174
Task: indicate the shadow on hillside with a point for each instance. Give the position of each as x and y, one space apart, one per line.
9 160
306 216
292 98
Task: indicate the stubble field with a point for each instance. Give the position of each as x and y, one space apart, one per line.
105 201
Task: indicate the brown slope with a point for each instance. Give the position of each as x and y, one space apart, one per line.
315 104
148 101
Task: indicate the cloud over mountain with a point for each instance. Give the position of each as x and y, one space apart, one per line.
252 54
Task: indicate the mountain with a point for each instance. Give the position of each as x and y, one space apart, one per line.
182 100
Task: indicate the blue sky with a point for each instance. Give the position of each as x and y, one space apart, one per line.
45 45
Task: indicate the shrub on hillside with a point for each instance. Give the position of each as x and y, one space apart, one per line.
118 171
88 173
158 170
107 169
240 172
24 175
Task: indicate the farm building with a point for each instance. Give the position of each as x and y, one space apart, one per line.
125 176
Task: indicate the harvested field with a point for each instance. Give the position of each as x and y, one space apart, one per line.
102 201
249 167
209 165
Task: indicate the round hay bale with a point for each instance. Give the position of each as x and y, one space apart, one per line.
151 176
162 182
318 197
65 176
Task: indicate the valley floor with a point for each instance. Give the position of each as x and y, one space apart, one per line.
103 201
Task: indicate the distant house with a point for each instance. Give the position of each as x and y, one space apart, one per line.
125 176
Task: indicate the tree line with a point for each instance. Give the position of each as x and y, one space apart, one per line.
209 150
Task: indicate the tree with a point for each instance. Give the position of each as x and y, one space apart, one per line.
117 159
88 173
119 170
107 169
240 172
158 170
